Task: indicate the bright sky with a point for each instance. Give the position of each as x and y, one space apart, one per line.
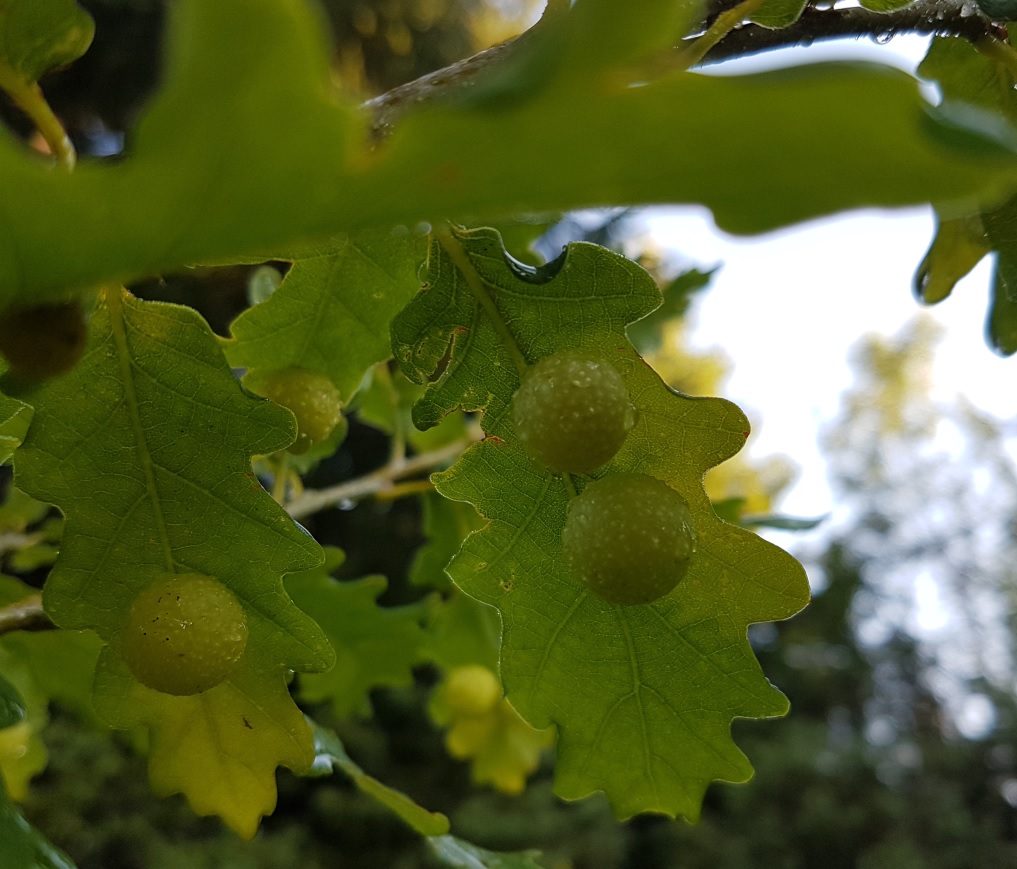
787 307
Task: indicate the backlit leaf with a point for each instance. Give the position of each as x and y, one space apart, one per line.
332 310
155 476
218 184
643 696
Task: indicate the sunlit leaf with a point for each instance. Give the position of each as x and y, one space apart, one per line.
155 477
15 418
959 245
643 696
332 310
754 149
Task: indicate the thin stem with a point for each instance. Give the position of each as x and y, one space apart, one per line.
405 490
25 615
29 98
398 448
311 501
461 260
693 52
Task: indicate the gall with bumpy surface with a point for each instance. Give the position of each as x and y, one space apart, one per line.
311 397
572 412
629 538
184 634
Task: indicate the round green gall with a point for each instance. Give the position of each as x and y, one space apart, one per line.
185 633
572 412
628 538
311 397
471 690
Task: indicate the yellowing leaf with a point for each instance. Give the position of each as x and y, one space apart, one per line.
221 747
502 748
154 477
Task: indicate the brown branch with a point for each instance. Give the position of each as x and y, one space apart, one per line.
814 25
25 615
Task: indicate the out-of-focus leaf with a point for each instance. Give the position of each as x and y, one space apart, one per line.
885 5
778 13
15 418
37 36
446 524
967 75
628 723
21 846
503 750
1001 327
783 523
754 149
456 853
375 646
329 753
155 477
958 246
12 707
461 631
646 334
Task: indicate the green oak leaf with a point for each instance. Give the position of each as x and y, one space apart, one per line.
966 75
22 846
461 631
957 247
331 312
154 476
753 148
776 14
45 666
330 753
1001 327
454 853
647 334
446 524
375 646
15 418
885 5
37 36
12 707
643 696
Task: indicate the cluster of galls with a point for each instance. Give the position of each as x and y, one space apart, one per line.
629 538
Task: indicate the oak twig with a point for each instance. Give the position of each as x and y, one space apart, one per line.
379 481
